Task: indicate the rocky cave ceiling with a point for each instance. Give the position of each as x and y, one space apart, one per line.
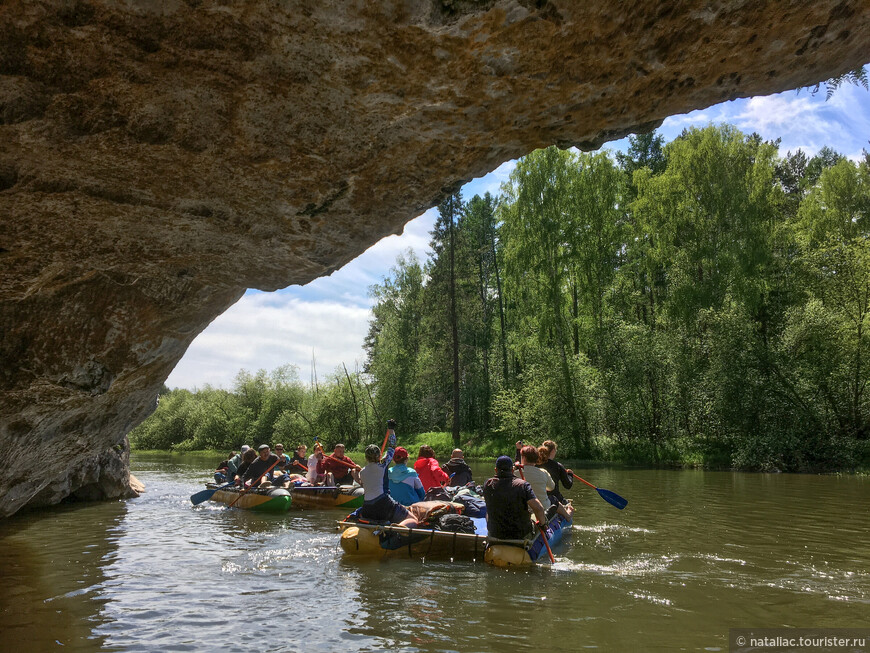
157 158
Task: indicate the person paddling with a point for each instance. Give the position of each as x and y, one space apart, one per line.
340 466
540 480
299 461
260 466
557 471
316 474
378 505
508 503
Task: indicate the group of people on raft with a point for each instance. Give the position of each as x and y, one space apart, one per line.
528 483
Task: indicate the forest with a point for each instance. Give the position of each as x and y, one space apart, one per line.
701 302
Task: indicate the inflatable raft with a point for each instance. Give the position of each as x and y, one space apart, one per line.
394 541
319 496
268 500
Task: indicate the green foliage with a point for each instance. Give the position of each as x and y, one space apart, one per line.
266 407
704 302
858 77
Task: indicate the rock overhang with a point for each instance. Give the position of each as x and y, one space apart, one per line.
158 158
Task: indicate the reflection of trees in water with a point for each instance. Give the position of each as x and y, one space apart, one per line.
53 564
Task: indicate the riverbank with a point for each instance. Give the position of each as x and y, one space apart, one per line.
684 454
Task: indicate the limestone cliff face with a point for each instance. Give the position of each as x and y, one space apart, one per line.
158 157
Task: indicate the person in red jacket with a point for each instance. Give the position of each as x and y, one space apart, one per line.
427 468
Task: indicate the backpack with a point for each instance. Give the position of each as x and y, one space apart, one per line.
454 523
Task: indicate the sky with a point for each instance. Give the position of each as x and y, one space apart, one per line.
325 321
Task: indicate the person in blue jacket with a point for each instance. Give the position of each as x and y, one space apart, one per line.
405 485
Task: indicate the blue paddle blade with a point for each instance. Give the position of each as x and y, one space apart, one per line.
205 495
200 497
612 498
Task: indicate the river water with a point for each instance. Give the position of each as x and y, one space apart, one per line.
694 554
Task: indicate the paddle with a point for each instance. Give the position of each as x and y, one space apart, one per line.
391 426
296 462
205 495
539 525
243 492
610 497
546 544
341 461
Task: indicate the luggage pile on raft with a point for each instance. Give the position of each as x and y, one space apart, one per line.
445 532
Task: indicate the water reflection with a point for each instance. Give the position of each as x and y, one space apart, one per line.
53 565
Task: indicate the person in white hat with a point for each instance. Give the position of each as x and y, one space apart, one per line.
235 461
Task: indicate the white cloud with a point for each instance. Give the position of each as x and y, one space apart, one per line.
266 330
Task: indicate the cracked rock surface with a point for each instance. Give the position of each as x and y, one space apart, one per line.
159 157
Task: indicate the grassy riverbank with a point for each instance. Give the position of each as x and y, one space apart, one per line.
679 454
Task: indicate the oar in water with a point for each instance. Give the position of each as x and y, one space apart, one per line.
244 492
610 497
546 544
205 495
540 526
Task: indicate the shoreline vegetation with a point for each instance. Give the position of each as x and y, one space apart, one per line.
611 454
700 303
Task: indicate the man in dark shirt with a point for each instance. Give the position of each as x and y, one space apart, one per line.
260 466
508 502
458 469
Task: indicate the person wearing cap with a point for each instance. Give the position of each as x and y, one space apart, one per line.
458 469
508 502
234 462
340 466
378 505
405 485
260 466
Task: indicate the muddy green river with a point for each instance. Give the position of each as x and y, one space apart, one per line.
694 554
